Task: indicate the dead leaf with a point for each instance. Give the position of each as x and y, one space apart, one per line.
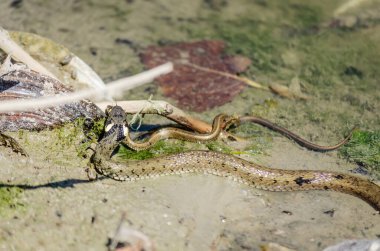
203 76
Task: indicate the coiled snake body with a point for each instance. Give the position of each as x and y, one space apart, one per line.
217 163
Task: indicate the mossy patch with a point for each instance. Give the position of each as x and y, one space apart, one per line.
9 199
306 16
92 131
217 146
317 116
62 145
67 135
364 149
165 147
351 63
259 146
263 109
80 133
160 148
260 138
251 38
302 30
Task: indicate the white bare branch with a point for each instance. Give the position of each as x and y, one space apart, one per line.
93 94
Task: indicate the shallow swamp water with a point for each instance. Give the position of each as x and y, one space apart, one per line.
331 47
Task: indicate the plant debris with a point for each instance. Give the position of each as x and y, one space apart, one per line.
25 84
291 92
203 77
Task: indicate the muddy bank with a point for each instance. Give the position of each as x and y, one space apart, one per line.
54 207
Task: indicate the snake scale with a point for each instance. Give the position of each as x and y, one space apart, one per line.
117 131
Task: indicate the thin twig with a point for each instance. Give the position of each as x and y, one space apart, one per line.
248 81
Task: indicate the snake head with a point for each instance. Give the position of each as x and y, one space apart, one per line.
115 122
116 115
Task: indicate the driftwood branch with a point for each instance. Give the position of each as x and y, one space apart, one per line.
167 110
161 108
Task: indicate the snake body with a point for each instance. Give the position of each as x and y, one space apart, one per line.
220 122
222 165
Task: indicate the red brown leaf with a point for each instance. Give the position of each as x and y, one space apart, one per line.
197 82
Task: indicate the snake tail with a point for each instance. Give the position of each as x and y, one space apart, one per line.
293 136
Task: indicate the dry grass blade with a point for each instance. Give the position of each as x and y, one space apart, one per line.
248 81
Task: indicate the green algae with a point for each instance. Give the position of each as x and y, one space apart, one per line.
71 134
166 147
217 146
318 117
92 133
261 38
10 200
259 146
160 148
96 129
263 109
260 139
66 135
260 45
306 16
364 149
302 30
351 63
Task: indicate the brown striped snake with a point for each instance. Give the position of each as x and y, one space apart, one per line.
117 132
